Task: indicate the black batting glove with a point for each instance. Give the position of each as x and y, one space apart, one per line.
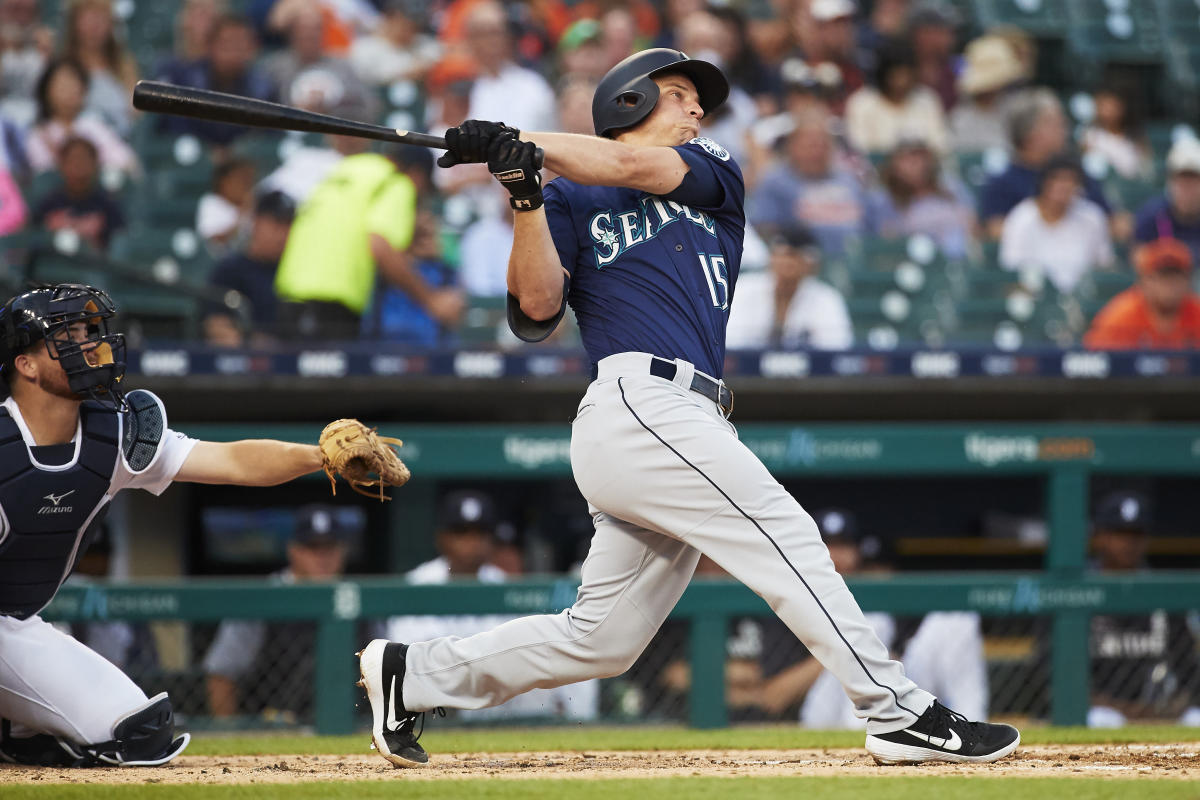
469 142
517 166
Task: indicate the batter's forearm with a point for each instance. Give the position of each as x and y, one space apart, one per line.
535 276
596 161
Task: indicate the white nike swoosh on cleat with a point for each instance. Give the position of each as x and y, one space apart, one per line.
952 743
391 723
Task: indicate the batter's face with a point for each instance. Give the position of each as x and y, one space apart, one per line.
675 119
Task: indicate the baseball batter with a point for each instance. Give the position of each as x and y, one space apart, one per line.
70 439
642 235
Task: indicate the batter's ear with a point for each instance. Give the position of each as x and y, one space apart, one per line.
532 330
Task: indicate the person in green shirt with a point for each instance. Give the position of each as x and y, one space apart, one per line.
355 226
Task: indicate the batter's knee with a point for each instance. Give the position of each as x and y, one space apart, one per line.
610 650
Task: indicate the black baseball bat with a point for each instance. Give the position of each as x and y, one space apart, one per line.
188 101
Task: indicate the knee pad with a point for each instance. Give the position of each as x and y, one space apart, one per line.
145 737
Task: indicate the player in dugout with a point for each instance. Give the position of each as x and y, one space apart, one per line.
642 236
70 439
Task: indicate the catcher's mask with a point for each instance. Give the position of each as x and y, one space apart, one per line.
72 319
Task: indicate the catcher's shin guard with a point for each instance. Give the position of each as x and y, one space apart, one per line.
145 737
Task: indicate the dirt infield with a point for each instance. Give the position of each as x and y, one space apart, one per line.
1162 761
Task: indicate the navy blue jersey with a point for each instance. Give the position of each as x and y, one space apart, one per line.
654 274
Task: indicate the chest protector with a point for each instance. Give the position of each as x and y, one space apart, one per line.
51 513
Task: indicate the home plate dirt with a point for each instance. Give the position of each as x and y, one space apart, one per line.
1167 761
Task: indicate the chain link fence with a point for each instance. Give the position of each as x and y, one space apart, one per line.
256 675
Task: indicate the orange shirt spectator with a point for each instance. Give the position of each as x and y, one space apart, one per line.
1160 312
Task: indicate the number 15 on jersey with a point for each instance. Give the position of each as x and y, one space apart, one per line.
717 276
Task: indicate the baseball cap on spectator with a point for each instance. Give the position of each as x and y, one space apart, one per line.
1162 255
1184 156
933 13
276 205
799 75
794 235
318 525
467 510
837 526
450 71
1127 512
991 65
828 10
578 33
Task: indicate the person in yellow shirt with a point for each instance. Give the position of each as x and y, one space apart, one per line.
356 225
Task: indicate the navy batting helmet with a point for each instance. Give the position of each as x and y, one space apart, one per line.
628 93
92 358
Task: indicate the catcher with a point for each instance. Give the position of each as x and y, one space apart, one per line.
70 439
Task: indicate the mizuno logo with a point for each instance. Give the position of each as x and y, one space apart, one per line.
954 742
391 723
56 499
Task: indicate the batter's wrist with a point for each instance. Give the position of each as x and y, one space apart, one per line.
531 203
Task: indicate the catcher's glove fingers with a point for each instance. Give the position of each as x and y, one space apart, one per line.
360 455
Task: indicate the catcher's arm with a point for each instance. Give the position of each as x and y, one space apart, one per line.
250 462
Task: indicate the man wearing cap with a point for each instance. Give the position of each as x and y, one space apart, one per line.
399 50
466 539
1176 214
804 311
1159 311
251 272
825 31
1146 665
268 668
980 120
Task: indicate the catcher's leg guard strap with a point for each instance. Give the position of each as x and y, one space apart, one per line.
145 737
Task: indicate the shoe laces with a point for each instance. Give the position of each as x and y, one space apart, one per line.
941 717
410 722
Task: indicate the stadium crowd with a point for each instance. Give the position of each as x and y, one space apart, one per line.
910 178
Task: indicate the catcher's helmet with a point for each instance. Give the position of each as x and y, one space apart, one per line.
93 358
627 93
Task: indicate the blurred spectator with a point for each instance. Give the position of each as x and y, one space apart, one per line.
621 35
575 105
806 90
91 39
1159 312
13 212
60 92
1038 129
581 52
80 204
269 668
399 50
227 67
306 166
980 121
224 207
886 20
916 198
308 78
25 44
739 61
342 20
356 224
824 30
1115 135
788 305
932 27
483 258
465 540
810 187
1142 666
394 316
896 107
194 26
1176 214
675 13
251 272
1057 231
504 90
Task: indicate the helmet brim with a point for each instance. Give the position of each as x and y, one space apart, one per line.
711 84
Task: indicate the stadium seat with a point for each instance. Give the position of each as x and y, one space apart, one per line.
485 315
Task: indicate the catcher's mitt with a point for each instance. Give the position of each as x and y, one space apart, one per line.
356 452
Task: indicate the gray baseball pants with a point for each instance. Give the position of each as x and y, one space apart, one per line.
667 479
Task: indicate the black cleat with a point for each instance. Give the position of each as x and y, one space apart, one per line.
942 735
393 728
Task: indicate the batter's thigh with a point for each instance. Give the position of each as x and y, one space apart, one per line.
51 683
